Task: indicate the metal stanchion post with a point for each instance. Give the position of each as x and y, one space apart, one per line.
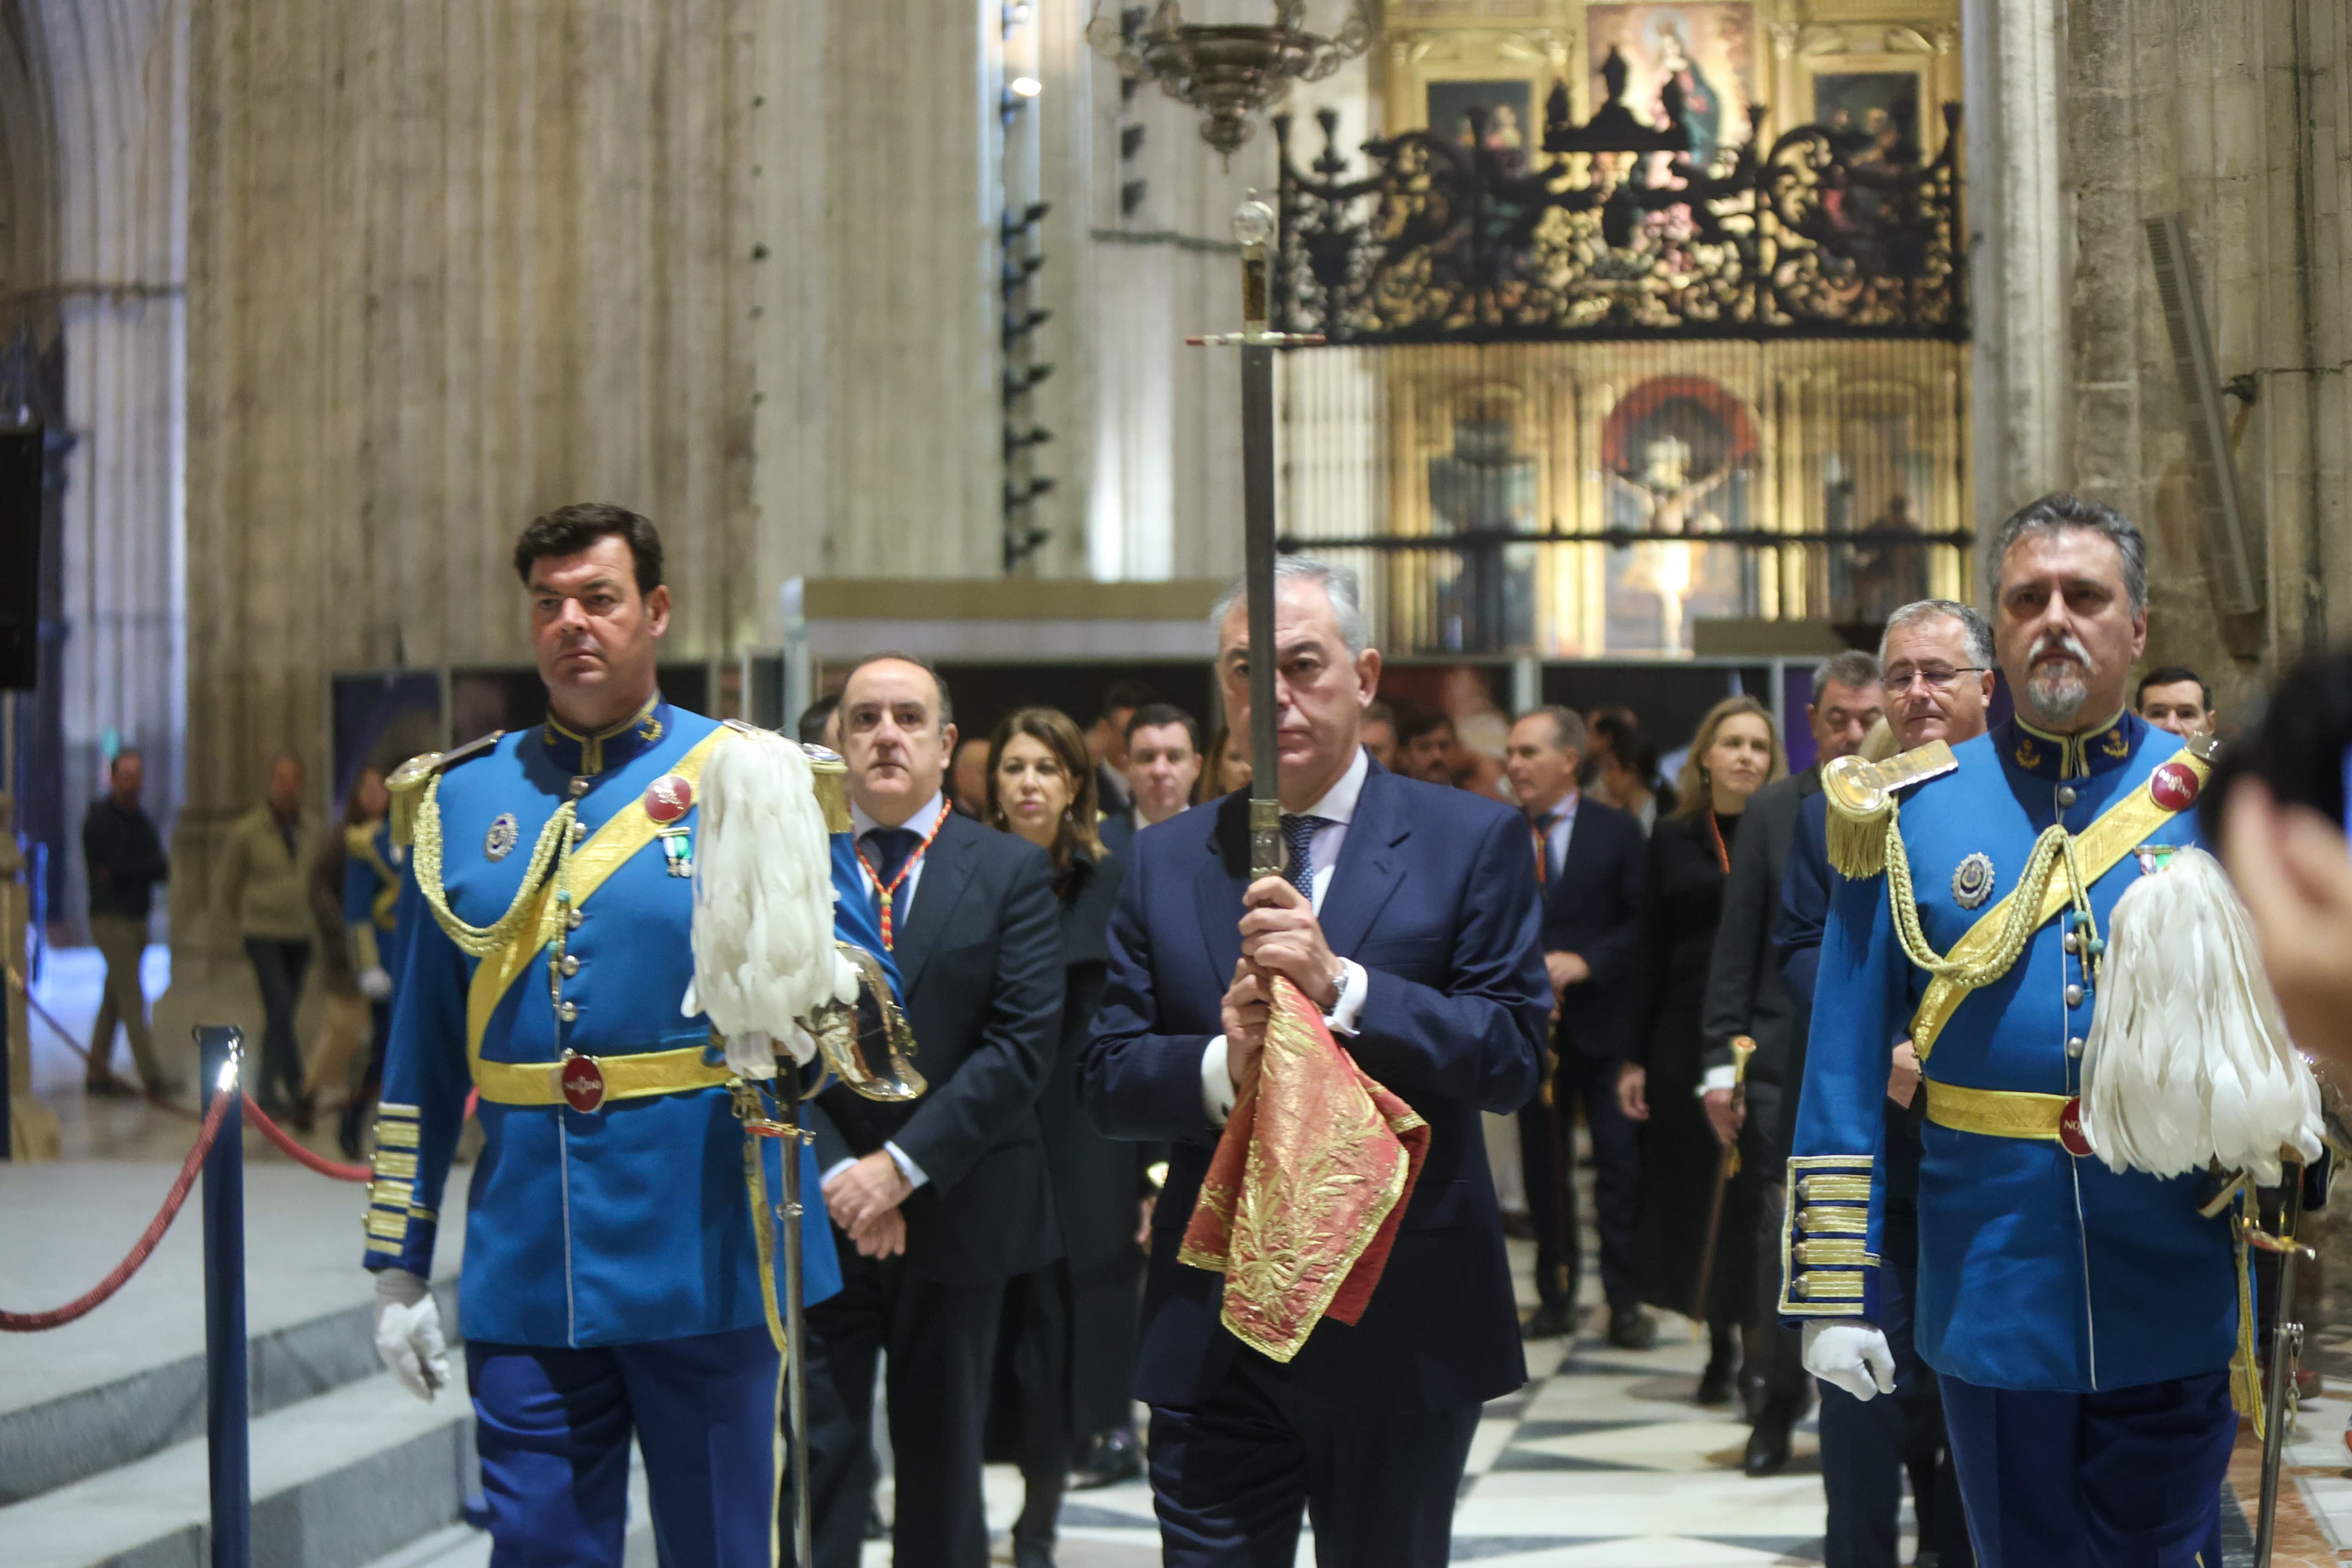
221 1053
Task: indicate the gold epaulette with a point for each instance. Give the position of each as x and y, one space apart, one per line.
832 781
1861 802
409 781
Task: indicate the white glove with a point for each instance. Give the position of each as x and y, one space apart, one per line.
1849 1355
408 1332
374 983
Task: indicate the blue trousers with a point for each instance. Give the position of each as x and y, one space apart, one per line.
553 1428
2128 1477
1231 1475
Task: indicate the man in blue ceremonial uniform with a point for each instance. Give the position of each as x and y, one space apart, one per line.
2083 1321
613 1278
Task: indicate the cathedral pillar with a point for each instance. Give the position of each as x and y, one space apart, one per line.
448 265
2014 71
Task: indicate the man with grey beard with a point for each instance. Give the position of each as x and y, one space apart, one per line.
2082 1320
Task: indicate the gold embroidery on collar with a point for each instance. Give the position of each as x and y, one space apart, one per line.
592 747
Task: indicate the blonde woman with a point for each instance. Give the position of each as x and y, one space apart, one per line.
1735 752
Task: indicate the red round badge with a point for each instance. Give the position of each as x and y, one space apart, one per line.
2070 1130
667 798
2173 787
583 1084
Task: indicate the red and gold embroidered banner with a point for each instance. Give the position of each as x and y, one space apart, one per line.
1305 1191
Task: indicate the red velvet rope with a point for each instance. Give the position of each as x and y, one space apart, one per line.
298 1154
33 1322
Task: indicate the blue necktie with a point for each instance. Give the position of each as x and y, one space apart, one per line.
892 846
1300 833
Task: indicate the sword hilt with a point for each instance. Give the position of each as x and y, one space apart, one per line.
1254 226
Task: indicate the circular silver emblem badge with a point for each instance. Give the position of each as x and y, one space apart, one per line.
1972 880
499 841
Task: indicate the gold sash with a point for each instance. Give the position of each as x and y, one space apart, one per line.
629 831
2100 848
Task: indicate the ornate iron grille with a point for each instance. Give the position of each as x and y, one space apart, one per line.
1617 233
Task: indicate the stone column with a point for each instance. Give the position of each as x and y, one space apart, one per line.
877 289
109 77
2014 73
449 265
2233 116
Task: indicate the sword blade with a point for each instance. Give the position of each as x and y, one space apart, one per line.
795 1340
2286 1352
1257 568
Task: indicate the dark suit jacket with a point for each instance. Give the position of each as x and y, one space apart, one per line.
1116 832
1096 1180
1593 909
1744 993
1434 896
980 952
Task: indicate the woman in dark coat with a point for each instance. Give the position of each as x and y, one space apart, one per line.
1735 753
1067 1332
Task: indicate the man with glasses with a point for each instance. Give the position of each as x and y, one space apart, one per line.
1938 656
1938 672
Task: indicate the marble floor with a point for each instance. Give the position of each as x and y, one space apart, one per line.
1602 1461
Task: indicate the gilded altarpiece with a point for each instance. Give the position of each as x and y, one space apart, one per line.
1590 354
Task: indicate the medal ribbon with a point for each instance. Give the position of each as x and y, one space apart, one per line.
889 891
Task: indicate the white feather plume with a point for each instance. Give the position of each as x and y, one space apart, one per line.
2188 1059
763 947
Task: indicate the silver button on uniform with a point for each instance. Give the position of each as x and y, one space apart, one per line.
2073 940
571 963
571 921
2074 996
2074 1045
568 1012
2065 794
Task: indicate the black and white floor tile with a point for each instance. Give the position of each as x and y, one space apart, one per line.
1602 1461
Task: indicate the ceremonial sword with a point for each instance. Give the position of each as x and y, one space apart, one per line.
2286 1352
1254 226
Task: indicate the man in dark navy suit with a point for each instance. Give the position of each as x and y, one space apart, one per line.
1587 857
936 1202
1407 914
1937 657
1163 764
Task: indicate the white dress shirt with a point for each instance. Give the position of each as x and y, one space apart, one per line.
920 824
1556 837
1337 809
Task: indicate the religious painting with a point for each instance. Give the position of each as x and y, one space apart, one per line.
1506 108
1485 487
1706 49
1679 456
1871 117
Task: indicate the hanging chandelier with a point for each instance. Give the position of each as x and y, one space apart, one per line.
1232 72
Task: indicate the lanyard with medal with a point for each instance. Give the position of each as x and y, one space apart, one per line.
890 890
